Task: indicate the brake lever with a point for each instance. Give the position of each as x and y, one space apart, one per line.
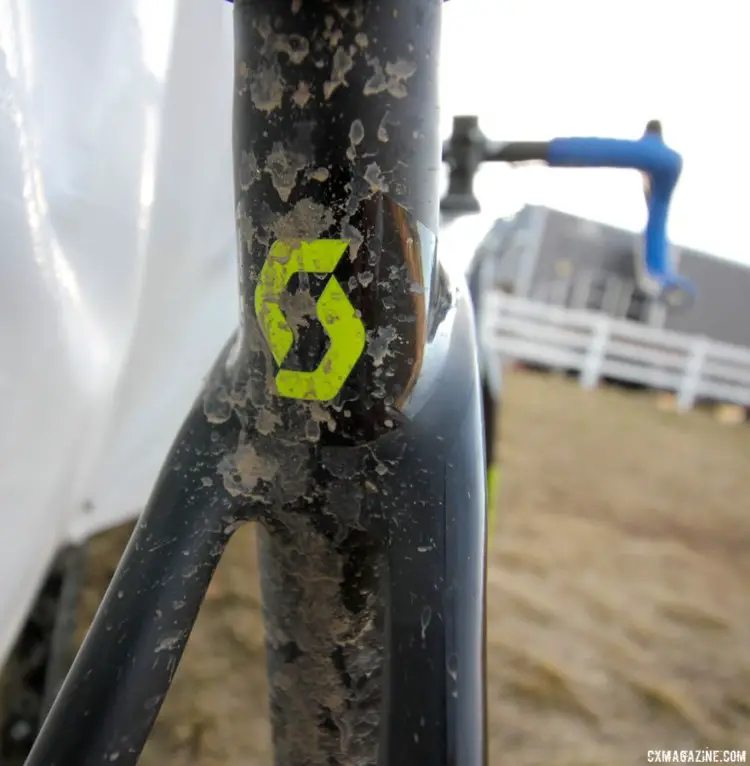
660 165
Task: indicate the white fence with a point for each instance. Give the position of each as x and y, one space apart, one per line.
598 346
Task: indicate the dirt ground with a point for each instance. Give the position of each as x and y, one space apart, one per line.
619 608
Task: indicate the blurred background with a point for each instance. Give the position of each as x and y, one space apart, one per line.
619 608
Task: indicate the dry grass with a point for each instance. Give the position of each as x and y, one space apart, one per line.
619 609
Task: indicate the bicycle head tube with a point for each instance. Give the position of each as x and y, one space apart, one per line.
345 418
361 354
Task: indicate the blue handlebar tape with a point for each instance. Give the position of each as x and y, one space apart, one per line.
650 155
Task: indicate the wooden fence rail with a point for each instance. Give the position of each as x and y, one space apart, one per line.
598 346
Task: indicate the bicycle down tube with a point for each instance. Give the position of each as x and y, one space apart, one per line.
344 418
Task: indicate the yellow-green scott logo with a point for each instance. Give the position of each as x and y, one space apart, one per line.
335 312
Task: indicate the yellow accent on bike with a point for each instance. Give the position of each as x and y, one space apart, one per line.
493 485
334 311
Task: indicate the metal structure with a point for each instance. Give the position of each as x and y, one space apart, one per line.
344 417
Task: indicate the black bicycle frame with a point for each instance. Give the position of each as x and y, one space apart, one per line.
344 417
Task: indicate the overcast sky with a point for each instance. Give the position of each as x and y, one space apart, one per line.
536 69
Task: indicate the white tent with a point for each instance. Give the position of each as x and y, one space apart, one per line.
117 267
